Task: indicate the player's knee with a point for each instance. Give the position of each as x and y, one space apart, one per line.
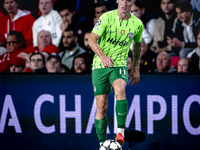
101 106
120 94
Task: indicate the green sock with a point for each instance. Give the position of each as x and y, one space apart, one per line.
101 128
121 110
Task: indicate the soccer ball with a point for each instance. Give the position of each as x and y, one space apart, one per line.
110 145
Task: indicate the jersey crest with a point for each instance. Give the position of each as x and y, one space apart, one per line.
122 32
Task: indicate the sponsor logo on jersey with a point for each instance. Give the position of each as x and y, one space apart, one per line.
130 35
98 22
122 32
115 42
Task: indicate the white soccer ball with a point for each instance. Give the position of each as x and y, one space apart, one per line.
110 145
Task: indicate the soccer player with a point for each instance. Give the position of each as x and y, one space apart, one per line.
110 40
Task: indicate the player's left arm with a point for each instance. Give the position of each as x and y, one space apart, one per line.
135 73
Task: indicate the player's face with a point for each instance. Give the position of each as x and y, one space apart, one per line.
86 37
45 6
79 65
12 44
125 5
167 6
69 40
183 16
44 39
138 12
198 40
36 62
163 62
100 10
183 65
10 6
66 16
53 65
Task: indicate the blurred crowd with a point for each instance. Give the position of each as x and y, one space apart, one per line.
51 36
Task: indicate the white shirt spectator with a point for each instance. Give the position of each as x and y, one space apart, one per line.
188 32
51 23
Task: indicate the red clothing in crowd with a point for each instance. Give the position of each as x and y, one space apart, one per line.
1 29
1 14
22 22
6 58
49 49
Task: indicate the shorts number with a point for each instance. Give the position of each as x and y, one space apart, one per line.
120 71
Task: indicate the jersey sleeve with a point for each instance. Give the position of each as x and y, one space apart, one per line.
138 37
101 25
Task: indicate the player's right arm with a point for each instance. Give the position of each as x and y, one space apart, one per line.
107 61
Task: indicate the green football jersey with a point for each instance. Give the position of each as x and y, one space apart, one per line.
116 36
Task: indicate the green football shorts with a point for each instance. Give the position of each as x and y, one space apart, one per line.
103 78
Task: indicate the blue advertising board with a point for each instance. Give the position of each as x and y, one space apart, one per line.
56 112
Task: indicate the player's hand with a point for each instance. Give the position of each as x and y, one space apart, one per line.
134 76
107 61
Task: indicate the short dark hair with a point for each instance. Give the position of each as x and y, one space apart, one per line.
140 3
71 28
60 6
172 1
99 4
14 0
184 6
20 37
43 58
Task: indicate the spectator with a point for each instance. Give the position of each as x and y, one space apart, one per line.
99 9
17 20
71 17
148 58
183 65
1 14
37 63
45 47
163 27
69 47
17 65
139 10
2 38
80 64
195 55
50 21
89 51
54 65
185 30
15 44
163 63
